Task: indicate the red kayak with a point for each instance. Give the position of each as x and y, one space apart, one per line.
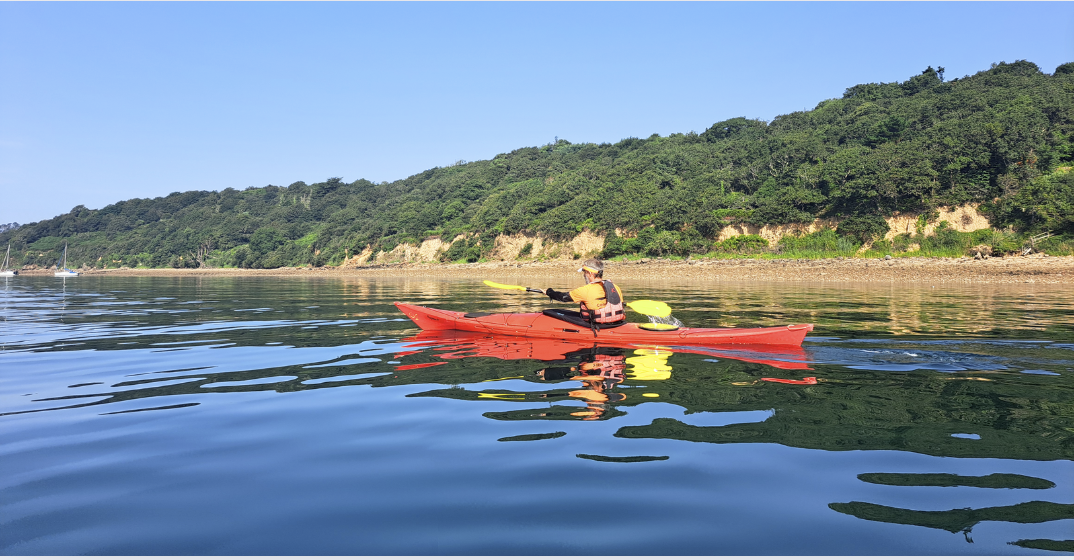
540 325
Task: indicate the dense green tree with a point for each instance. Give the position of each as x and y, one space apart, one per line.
864 229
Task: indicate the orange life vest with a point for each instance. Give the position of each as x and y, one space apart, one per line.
613 310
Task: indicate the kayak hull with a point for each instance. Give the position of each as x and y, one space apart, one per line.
539 325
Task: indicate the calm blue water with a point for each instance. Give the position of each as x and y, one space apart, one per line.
293 416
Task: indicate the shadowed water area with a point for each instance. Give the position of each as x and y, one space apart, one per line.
308 416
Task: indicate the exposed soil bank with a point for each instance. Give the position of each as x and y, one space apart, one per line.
1038 269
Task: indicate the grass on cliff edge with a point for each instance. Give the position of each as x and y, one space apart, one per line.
827 244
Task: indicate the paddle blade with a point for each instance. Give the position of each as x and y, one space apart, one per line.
492 284
650 307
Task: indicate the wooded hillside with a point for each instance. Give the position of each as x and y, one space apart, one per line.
1002 138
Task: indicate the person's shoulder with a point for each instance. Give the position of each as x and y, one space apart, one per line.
586 288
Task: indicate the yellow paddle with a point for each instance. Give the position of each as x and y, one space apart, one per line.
650 307
492 284
643 306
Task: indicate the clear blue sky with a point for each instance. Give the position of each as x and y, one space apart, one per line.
101 102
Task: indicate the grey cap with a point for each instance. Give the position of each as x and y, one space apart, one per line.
595 266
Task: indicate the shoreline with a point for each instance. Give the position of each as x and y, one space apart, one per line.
1032 269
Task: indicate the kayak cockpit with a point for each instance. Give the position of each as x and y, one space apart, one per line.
575 318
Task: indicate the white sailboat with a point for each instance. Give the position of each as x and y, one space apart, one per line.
65 272
4 272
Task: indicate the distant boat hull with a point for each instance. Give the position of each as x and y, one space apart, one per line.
8 273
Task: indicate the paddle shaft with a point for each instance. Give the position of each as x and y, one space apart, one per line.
492 284
644 306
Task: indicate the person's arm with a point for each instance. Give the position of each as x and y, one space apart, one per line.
565 297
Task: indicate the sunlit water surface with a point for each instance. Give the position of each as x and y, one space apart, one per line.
295 416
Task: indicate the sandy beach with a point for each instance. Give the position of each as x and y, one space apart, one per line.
1034 269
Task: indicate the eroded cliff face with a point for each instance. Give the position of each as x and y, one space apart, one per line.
428 251
358 259
588 244
505 248
961 218
774 233
584 245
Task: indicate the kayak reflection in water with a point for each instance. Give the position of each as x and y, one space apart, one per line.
599 373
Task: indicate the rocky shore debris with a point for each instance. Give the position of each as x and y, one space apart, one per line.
1033 268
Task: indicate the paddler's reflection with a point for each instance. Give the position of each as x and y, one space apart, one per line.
599 373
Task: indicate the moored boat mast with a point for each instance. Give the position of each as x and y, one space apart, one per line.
7 259
65 272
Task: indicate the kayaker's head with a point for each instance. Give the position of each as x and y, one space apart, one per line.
592 269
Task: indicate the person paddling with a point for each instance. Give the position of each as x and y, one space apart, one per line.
600 301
